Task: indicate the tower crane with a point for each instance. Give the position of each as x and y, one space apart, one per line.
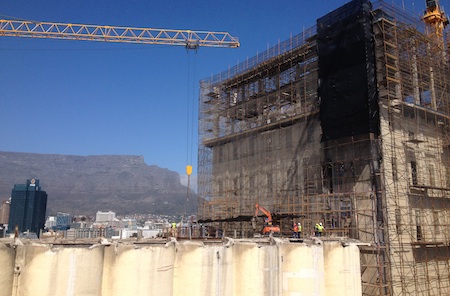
188 38
436 21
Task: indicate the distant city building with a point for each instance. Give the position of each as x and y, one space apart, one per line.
77 233
63 221
80 224
4 211
130 224
28 207
150 225
81 221
116 224
51 222
105 216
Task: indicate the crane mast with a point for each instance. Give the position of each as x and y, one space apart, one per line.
188 38
436 21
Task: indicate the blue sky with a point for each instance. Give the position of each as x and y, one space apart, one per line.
96 98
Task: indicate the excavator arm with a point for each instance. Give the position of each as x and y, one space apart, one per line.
188 38
264 210
268 227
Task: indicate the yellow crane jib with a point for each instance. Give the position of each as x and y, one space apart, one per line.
188 38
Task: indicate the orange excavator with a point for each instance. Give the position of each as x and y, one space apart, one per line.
268 226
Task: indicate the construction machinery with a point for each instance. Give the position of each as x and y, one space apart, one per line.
188 38
436 21
268 228
67 31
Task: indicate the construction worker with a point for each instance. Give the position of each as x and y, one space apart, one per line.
295 235
299 226
174 229
316 229
320 229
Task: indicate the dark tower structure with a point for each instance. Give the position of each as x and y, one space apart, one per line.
28 206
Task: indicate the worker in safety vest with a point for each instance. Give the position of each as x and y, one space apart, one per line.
320 229
174 229
316 229
299 226
295 234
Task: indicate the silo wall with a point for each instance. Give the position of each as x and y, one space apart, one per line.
7 258
265 266
44 269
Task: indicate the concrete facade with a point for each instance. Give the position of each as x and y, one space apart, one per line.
348 124
265 266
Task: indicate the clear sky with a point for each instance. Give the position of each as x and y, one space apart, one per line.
97 98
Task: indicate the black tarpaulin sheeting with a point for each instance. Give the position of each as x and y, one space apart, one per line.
347 79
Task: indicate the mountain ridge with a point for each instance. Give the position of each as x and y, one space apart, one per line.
86 184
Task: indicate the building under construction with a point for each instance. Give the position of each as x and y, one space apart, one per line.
346 124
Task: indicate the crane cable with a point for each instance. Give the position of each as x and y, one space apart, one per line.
189 127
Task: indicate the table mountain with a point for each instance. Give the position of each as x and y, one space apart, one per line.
87 184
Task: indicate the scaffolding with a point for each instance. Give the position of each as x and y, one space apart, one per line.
263 140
